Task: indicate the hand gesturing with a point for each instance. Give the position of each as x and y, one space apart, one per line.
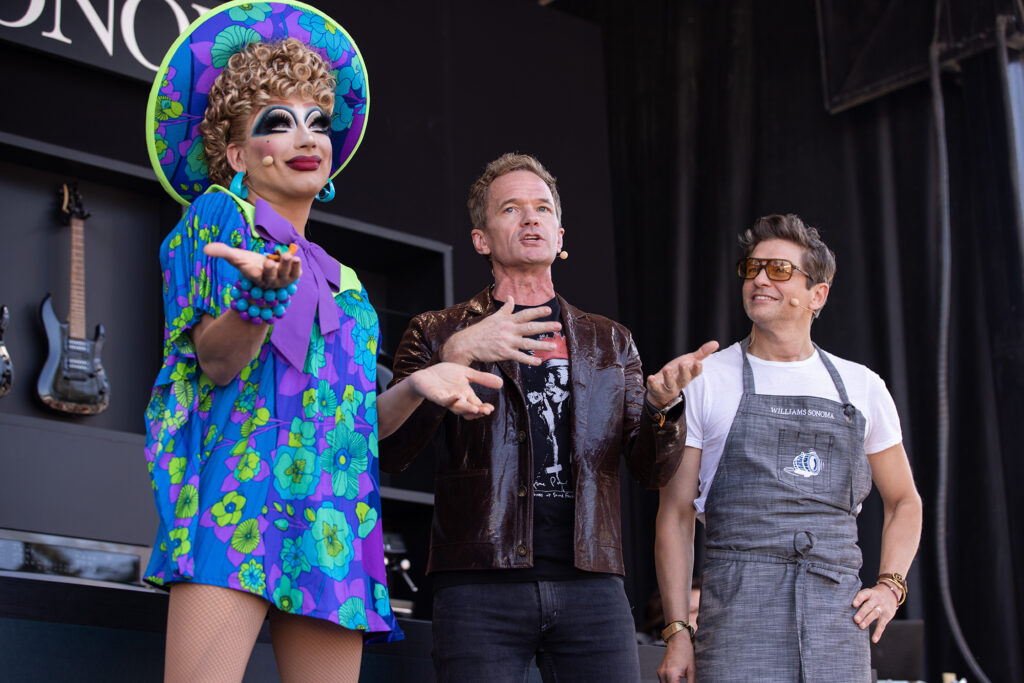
503 335
448 384
664 386
264 272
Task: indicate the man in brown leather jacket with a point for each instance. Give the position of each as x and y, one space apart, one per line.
526 548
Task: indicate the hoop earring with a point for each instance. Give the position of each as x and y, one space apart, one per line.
237 188
326 194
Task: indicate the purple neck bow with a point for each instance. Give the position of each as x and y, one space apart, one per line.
321 275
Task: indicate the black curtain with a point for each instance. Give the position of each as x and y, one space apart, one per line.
716 117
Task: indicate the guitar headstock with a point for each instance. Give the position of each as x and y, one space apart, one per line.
71 202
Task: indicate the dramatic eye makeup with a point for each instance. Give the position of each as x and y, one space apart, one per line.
273 120
281 119
318 121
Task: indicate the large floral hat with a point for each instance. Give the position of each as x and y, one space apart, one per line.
177 102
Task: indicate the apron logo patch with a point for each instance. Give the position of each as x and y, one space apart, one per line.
806 465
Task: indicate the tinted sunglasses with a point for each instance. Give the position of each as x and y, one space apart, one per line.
778 269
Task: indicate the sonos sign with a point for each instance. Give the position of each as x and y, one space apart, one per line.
126 36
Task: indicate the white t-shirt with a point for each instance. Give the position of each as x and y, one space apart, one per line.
714 396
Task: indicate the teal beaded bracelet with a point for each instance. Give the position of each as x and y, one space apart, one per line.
258 305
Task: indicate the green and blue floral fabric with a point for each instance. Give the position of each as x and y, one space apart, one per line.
270 484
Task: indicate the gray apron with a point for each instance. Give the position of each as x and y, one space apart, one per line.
782 560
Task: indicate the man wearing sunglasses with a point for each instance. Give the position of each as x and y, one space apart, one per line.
783 443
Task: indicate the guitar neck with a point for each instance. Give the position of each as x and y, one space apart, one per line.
76 306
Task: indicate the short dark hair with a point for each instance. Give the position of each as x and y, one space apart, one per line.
507 163
819 261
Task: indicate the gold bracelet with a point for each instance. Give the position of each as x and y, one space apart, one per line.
888 584
896 579
675 627
893 586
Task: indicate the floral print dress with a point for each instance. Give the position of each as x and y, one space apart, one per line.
270 484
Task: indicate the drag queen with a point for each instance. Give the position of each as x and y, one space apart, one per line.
263 424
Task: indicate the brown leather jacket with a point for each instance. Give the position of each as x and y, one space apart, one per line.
483 499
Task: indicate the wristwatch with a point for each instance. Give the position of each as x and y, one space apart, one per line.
674 628
657 416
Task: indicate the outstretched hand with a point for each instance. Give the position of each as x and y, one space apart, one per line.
664 386
448 385
264 272
503 335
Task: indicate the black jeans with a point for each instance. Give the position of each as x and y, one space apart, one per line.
577 630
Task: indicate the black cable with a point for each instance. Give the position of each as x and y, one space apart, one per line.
945 286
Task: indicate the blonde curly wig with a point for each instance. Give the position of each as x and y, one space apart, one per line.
253 76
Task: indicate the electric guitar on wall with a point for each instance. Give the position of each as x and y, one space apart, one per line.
6 368
73 379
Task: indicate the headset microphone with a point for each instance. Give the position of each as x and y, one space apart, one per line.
796 302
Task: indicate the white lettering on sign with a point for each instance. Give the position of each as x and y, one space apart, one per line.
34 11
103 26
104 33
128 29
55 33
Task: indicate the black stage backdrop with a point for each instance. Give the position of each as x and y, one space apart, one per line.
716 117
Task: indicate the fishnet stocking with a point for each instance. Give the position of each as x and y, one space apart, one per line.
210 633
310 649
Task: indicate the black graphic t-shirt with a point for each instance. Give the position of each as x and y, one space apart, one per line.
549 403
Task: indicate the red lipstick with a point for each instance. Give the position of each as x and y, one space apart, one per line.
304 163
